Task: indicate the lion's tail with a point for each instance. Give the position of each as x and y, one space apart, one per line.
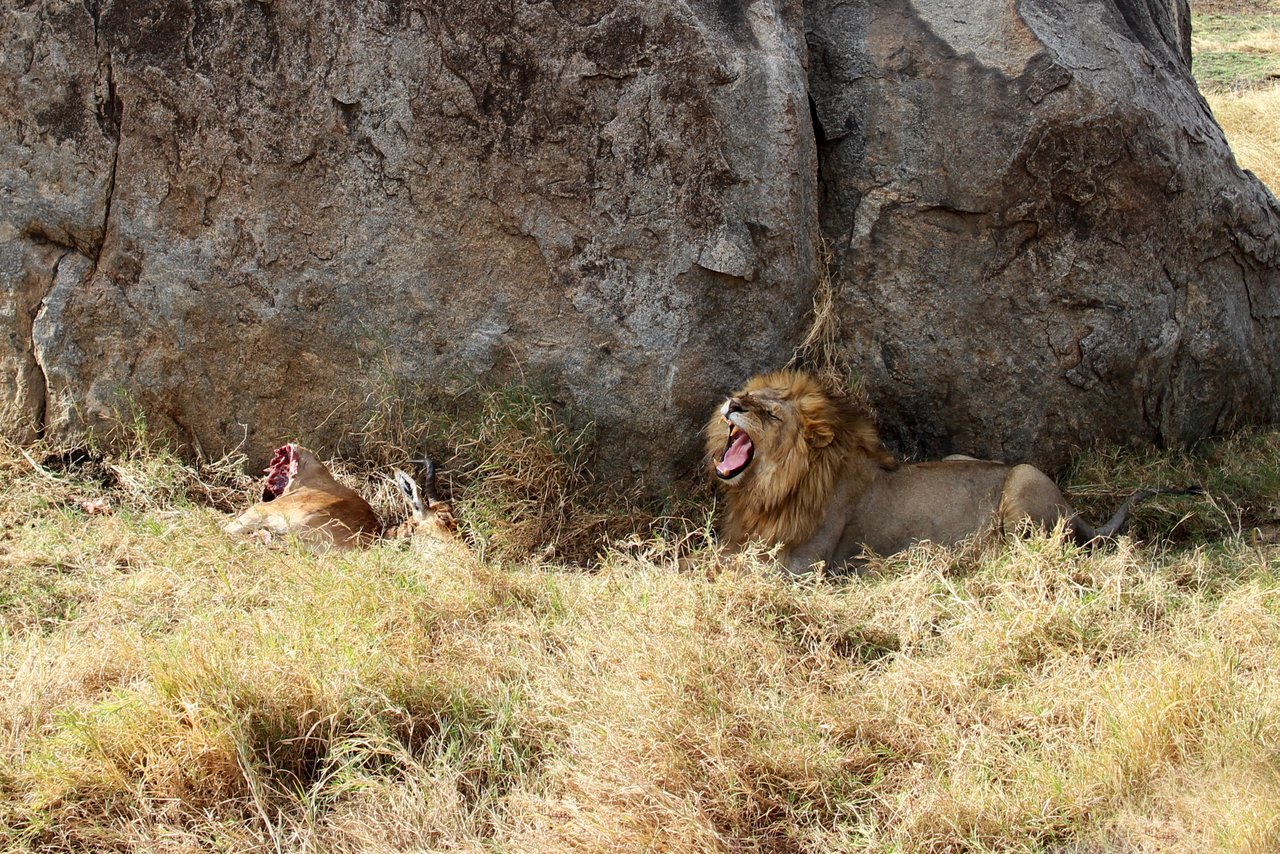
1087 535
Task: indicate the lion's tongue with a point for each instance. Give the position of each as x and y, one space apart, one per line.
736 455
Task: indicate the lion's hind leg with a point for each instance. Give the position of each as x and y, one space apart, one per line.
1030 494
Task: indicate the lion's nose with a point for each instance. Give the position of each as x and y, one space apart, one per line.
733 406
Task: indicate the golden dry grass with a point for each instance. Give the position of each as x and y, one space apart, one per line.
163 688
1236 7
1260 38
1251 121
1236 59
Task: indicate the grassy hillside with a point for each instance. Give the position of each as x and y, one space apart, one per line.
164 688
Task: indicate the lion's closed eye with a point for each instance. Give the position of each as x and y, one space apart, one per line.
767 407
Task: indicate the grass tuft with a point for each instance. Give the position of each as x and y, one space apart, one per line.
518 471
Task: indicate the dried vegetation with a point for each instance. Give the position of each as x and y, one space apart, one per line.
163 688
593 678
1236 60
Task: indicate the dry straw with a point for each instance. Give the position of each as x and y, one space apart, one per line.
1251 121
163 688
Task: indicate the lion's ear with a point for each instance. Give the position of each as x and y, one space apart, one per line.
819 431
820 434
816 418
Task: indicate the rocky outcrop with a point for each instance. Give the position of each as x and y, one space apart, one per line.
1041 237
245 219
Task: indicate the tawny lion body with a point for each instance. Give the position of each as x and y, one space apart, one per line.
804 469
301 498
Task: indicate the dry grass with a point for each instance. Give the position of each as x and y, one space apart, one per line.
162 688
820 352
165 689
1251 121
1240 476
1257 34
519 473
1236 7
1236 59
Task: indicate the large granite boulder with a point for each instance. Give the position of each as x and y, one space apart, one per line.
246 218
1042 239
249 219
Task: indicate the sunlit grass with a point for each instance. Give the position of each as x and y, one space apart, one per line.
164 688
1236 61
1251 121
1235 51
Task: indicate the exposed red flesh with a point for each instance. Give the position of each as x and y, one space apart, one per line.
282 469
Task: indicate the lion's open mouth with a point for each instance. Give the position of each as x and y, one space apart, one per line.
283 468
738 453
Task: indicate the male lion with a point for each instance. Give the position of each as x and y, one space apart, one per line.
804 468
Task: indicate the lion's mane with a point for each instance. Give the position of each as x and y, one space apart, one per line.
824 436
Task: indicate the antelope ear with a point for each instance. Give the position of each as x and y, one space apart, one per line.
409 489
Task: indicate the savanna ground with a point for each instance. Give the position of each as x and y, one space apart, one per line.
1236 59
587 678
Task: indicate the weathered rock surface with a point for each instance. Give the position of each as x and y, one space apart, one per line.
1042 239
245 218
248 217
